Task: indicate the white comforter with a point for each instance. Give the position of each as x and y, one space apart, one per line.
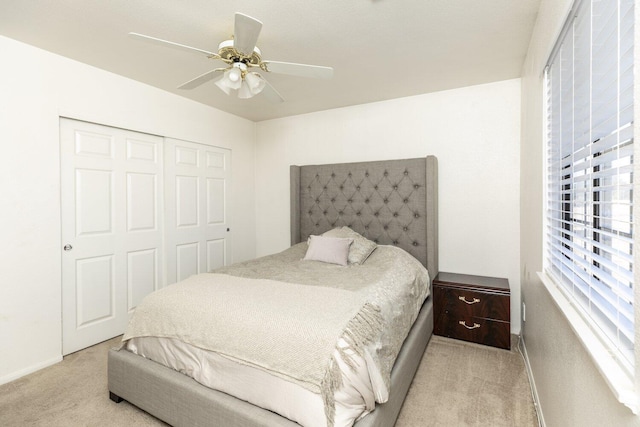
401 285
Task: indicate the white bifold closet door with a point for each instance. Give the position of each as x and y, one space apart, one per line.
138 212
197 179
112 228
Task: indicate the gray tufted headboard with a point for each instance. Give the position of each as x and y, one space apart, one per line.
392 202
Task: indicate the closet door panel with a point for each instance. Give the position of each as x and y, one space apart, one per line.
112 234
197 179
187 260
186 197
216 253
94 202
215 201
95 287
142 275
142 205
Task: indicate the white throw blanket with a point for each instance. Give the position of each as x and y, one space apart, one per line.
295 338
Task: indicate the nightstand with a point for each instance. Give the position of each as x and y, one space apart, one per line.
472 308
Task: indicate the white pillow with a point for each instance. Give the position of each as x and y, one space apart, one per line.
361 247
333 250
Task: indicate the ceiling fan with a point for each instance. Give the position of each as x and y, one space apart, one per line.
241 55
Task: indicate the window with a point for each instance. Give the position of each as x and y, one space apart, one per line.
589 241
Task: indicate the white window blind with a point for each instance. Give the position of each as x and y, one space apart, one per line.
589 242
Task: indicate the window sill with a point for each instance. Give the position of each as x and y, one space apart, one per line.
616 377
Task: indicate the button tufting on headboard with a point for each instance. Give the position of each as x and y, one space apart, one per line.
399 207
384 201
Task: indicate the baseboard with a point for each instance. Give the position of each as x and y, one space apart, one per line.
31 369
534 391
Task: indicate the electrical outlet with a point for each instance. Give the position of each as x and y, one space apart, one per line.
524 312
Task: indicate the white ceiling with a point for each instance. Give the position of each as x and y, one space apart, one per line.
379 49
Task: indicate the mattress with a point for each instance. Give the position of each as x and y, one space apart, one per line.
363 382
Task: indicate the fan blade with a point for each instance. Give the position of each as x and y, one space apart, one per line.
271 93
166 43
246 32
301 70
201 79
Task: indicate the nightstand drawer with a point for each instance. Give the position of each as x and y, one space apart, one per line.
474 329
463 302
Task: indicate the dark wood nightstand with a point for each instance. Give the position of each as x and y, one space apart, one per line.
472 308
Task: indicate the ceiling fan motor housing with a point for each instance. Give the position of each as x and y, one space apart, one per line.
228 52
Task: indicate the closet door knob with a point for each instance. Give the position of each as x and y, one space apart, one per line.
67 247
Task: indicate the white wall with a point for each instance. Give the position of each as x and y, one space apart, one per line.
571 390
474 132
36 88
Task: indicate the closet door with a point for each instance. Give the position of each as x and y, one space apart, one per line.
197 180
111 196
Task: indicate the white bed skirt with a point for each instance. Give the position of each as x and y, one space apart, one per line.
356 398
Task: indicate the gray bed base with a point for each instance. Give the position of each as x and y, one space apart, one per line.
390 202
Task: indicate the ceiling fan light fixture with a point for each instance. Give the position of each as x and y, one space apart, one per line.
255 82
234 75
231 79
237 78
245 91
223 85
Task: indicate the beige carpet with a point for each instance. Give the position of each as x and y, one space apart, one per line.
464 384
457 384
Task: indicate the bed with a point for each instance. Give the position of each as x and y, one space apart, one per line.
392 203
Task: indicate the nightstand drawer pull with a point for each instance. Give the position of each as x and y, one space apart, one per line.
464 323
464 299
